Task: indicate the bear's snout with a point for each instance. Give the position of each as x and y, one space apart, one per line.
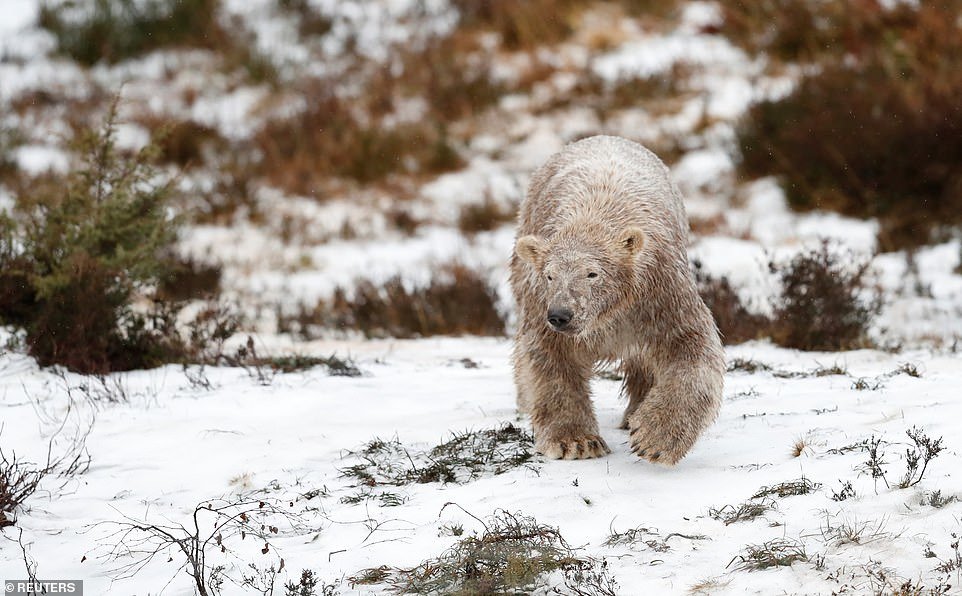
559 318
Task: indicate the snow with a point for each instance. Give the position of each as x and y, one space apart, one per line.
37 159
193 445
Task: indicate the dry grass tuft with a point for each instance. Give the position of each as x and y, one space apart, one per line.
799 447
781 552
513 555
748 511
802 486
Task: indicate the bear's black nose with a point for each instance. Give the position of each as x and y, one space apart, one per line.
559 317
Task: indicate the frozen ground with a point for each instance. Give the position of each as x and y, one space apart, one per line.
172 447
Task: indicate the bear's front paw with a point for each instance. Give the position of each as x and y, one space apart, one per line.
655 447
584 447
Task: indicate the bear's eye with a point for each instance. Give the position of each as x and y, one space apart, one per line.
592 275
550 278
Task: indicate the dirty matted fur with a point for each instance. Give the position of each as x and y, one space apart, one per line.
601 250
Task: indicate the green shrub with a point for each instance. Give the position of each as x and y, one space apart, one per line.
76 253
876 131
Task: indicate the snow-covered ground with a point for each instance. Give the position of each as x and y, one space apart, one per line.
172 447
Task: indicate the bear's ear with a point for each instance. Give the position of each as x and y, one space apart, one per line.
530 249
632 239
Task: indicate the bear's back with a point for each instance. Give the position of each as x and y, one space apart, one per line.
603 178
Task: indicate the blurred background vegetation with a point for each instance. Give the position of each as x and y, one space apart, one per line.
867 123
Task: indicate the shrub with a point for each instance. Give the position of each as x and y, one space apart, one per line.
182 142
443 73
302 152
18 481
188 279
821 304
803 30
9 139
310 21
78 253
483 217
114 30
457 301
877 130
735 322
520 24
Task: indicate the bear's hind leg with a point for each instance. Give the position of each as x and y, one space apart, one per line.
636 385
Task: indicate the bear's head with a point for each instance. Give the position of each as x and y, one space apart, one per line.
582 279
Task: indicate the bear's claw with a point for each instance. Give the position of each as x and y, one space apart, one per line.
578 448
648 447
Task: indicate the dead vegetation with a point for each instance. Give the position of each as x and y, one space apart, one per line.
520 25
735 322
780 552
650 537
513 554
207 543
886 76
464 457
802 486
20 479
824 303
457 301
852 531
918 456
183 142
328 139
112 31
748 511
484 216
